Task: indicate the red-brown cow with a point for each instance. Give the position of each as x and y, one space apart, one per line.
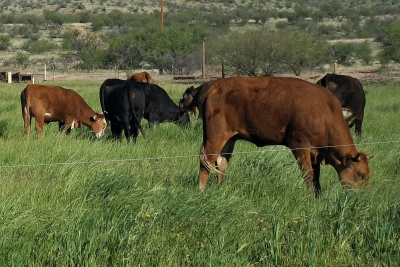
48 103
143 77
302 116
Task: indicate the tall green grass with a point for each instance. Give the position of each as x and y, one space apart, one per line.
79 201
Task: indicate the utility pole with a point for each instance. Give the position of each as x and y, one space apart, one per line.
162 13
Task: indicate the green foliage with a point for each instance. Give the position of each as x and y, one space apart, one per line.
268 52
342 53
39 46
333 9
363 52
86 47
190 23
77 201
57 18
390 40
21 60
5 42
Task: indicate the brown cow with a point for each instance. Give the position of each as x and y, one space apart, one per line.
302 116
350 93
143 77
48 103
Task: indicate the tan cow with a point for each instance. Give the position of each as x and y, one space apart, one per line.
143 77
302 116
48 103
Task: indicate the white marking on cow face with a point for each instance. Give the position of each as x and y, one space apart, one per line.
47 114
347 114
101 133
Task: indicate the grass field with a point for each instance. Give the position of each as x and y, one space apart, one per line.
79 201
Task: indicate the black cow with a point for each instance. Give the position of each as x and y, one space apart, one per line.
350 93
193 97
159 107
123 105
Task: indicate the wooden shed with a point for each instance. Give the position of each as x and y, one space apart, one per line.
18 77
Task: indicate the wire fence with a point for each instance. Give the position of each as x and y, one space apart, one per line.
264 150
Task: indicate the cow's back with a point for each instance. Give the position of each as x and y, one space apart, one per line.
350 93
265 109
347 89
53 99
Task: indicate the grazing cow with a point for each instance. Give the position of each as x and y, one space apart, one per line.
192 97
159 107
302 116
123 105
143 77
48 103
350 93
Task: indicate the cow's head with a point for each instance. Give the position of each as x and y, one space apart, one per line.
354 171
183 117
98 125
187 98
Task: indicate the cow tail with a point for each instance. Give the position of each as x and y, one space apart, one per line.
135 117
102 102
25 105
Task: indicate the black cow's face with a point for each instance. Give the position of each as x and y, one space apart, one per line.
187 98
183 117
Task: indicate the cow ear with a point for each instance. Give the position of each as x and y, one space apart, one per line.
347 160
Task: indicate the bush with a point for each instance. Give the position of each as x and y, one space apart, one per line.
5 42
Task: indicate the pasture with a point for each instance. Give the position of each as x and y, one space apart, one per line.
79 201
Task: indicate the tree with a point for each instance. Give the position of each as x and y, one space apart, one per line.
268 52
245 53
85 46
363 52
389 39
342 52
301 50
21 60
57 18
123 51
5 42
332 8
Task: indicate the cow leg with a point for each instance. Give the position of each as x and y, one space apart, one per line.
63 128
116 131
27 125
134 130
126 126
357 128
317 186
27 121
67 125
303 157
209 154
223 159
38 126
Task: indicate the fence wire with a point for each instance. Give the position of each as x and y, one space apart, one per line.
181 156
